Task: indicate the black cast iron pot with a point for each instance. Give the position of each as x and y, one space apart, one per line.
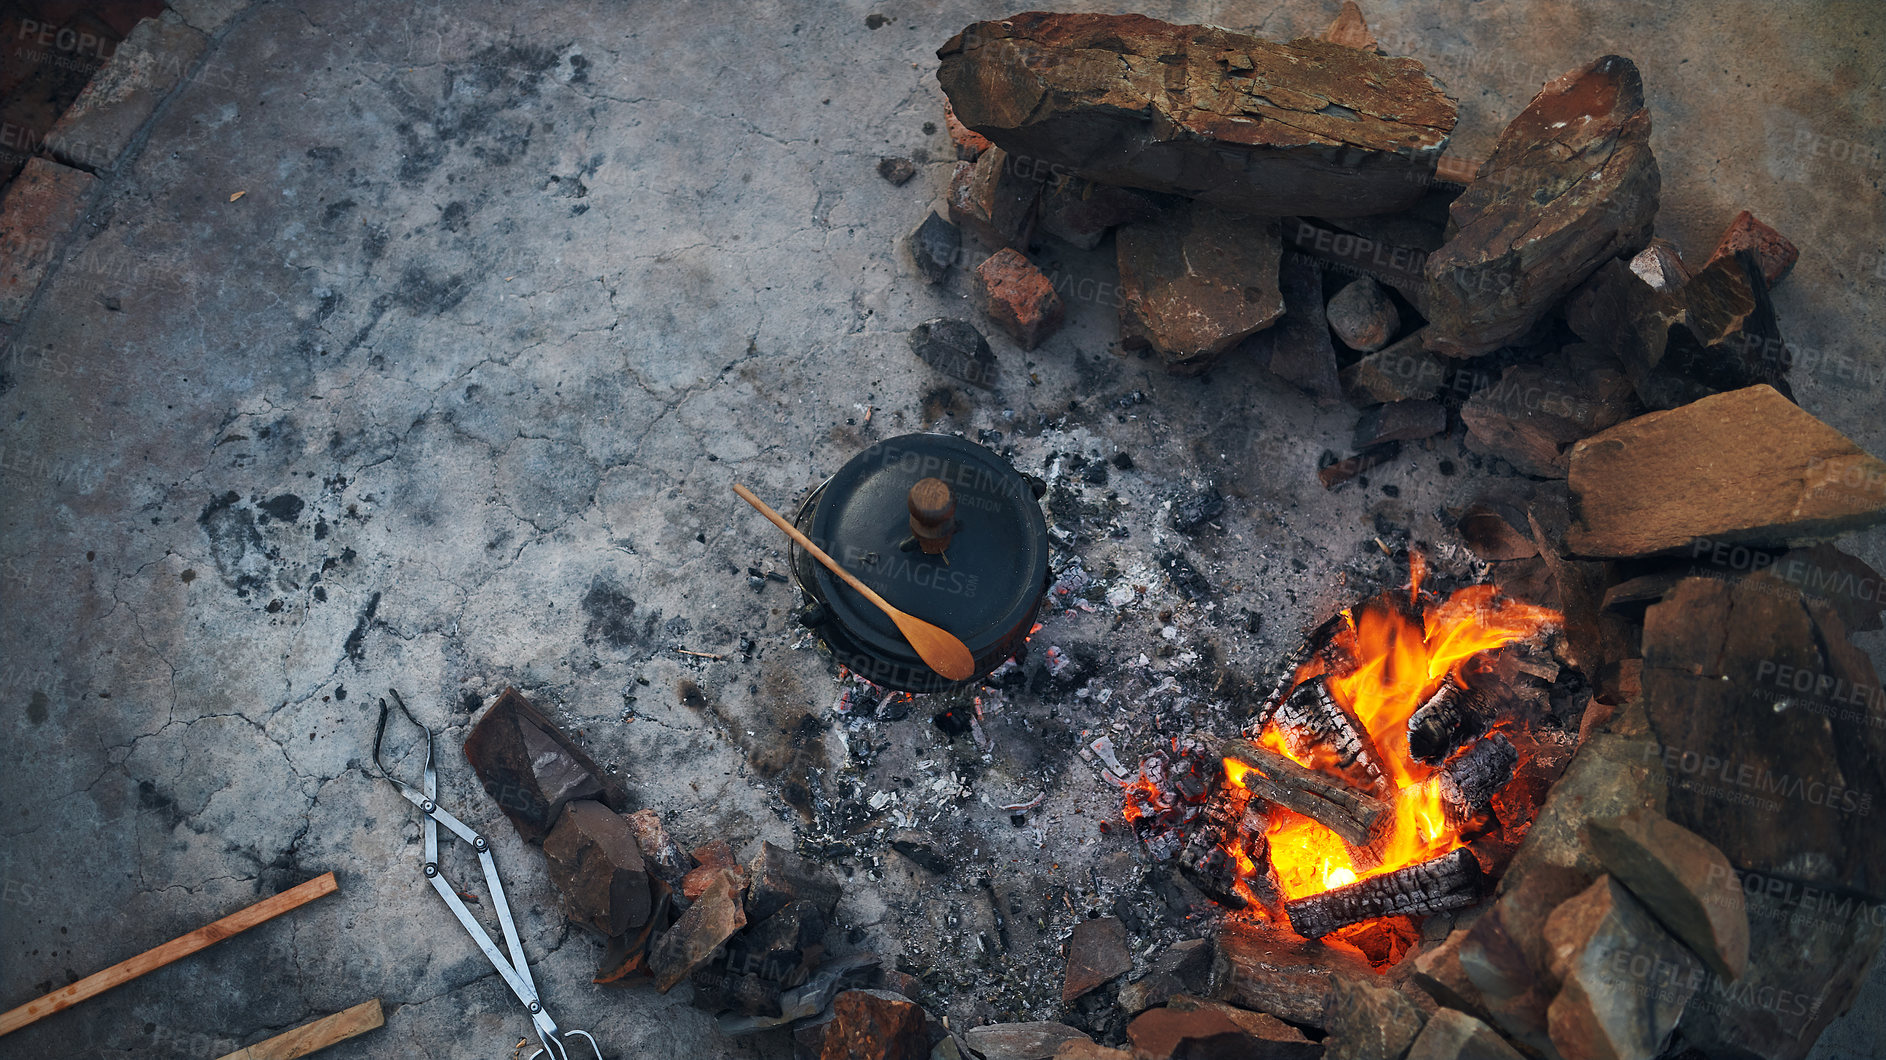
979 571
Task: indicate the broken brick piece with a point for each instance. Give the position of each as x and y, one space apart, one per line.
994 202
1019 298
969 144
1772 249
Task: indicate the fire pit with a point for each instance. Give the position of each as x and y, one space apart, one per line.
1366 780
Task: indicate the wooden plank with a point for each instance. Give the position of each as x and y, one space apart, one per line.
312 1037
177 948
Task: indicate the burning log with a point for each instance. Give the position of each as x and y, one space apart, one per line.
1321 645
1231 831
1470 779
1450 717
1310 716
1451 881
1351 814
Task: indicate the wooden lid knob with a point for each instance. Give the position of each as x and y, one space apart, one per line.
932 514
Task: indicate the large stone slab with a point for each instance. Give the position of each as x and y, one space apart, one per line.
1749 467
40 207
101 123
1751 698
1275 970
1231 120
1571 184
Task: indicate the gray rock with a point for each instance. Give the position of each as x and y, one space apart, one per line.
957 349
1454 1035
100 124
1363 316
935 246
1400 421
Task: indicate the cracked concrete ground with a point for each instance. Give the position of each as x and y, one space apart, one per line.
451 397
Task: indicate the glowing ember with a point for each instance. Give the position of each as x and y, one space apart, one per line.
1399 653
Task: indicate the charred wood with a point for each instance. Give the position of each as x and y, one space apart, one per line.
1450 717
1451 881
1470 779
1351 814
1311 717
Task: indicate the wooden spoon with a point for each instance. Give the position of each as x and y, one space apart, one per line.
939 650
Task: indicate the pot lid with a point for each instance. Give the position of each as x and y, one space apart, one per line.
984 584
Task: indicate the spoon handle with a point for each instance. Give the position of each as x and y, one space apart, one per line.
817 553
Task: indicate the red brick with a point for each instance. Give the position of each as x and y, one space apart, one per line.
1018 298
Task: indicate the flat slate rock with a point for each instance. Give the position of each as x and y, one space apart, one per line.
597 869
1625 980
1685 882
98 126
1036 1040
1751 695
991 200
1570 185
531 769
1452 1035
935 246
876 1024
1370 1022
694 939
1230 120
1749 467
41 206
1097 952
1197 281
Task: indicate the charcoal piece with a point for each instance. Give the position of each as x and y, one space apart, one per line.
1218 116
1570 185
597 869
532 769
955 348
1449 718
781 877
1185 577
917 846
1195 509
1470 779
1310 717
935 246
1451 881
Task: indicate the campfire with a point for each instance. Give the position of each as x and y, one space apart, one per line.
1361 784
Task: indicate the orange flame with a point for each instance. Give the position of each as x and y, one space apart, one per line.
1399 661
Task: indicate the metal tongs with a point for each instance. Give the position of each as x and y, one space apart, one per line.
514 969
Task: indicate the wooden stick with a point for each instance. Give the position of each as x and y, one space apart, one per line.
313 1037
1345 811
183 946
